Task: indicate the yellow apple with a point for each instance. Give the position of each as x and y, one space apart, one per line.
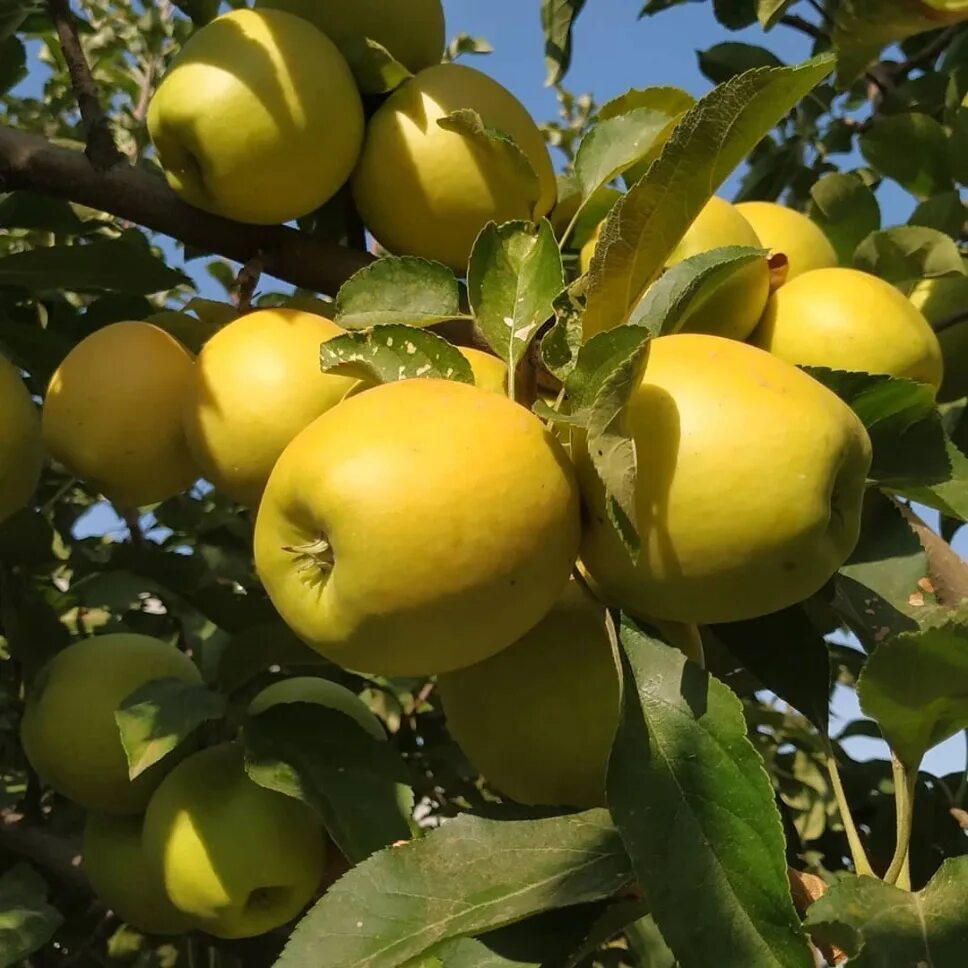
69 732
237 857
849 320
258 119
411 30
257 383
789 232
941 300
490 372
749 487
112 415
323 692
418 527
114 861
427 191
21 448
588 249
538 718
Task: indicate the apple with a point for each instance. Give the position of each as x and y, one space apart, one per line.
258 119
69 732
112 414
238 858
426 191
941 300
21 448
418 527
256 384
789 232
749 487
490 372
323 692
411 30
849 320
114 861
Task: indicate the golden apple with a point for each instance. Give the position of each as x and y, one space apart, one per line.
490 372
257 383
114 861
418 527
941 300
749 487
237 857
789 232
411 30
258 119
69 732
112 415
427 191
849 320
21 448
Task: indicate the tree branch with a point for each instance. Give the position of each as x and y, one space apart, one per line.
804 26
948 570
48 852
928 53
31 163
101 148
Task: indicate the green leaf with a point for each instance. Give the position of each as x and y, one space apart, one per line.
557 20
916 686
376 70
646 942
908 252
514 276
27 921
723 61
696 811
355 782
710 140
597 360
394 352
958 146
160 715
847 211
13 63
945 213
466 877
466 44
104 264
25 210
398 289
911 149
200 11
768 12
258 647
13 13
560 345
881 926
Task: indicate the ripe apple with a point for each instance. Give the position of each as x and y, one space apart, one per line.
114 861
69 732
787 231
257 383
412 31
940 300
112 415
538 718
749 488
323 692
259 118
426 191
490 372
21 448
849 320
237 857
418 527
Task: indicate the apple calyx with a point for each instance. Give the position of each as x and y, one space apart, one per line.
316 557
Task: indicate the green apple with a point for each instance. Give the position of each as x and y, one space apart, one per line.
411 30
323 692
785 231
69 732
845 319
398 535
237 857
424 190
749 486
258 119
941 301
21 449
114 861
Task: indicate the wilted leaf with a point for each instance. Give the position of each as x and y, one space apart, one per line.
911 149
557 21
27 921
847 211
560 345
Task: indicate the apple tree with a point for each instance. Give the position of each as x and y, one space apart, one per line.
432 539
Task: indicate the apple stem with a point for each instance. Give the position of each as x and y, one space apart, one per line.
899 872
862 866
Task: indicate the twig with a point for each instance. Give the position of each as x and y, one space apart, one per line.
862 866
804 26
904 784
946 322
101 150
823 13
927 53
245 283
948 570
56 856
132 519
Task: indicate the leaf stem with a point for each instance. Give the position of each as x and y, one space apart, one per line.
569 228
862 866
904 782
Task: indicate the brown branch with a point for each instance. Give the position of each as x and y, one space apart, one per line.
948 570
804 26
928 53
31 163
48 852
245 283
101 148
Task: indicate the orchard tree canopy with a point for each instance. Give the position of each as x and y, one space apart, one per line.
436 536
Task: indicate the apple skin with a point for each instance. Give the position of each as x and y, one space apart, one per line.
114 861
440 551
21 448
787 231
845 319
237 857
730 529
258 119
112 414
256 384
425 191
538 718
413 32
69 732
323 692
938 300
490 372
